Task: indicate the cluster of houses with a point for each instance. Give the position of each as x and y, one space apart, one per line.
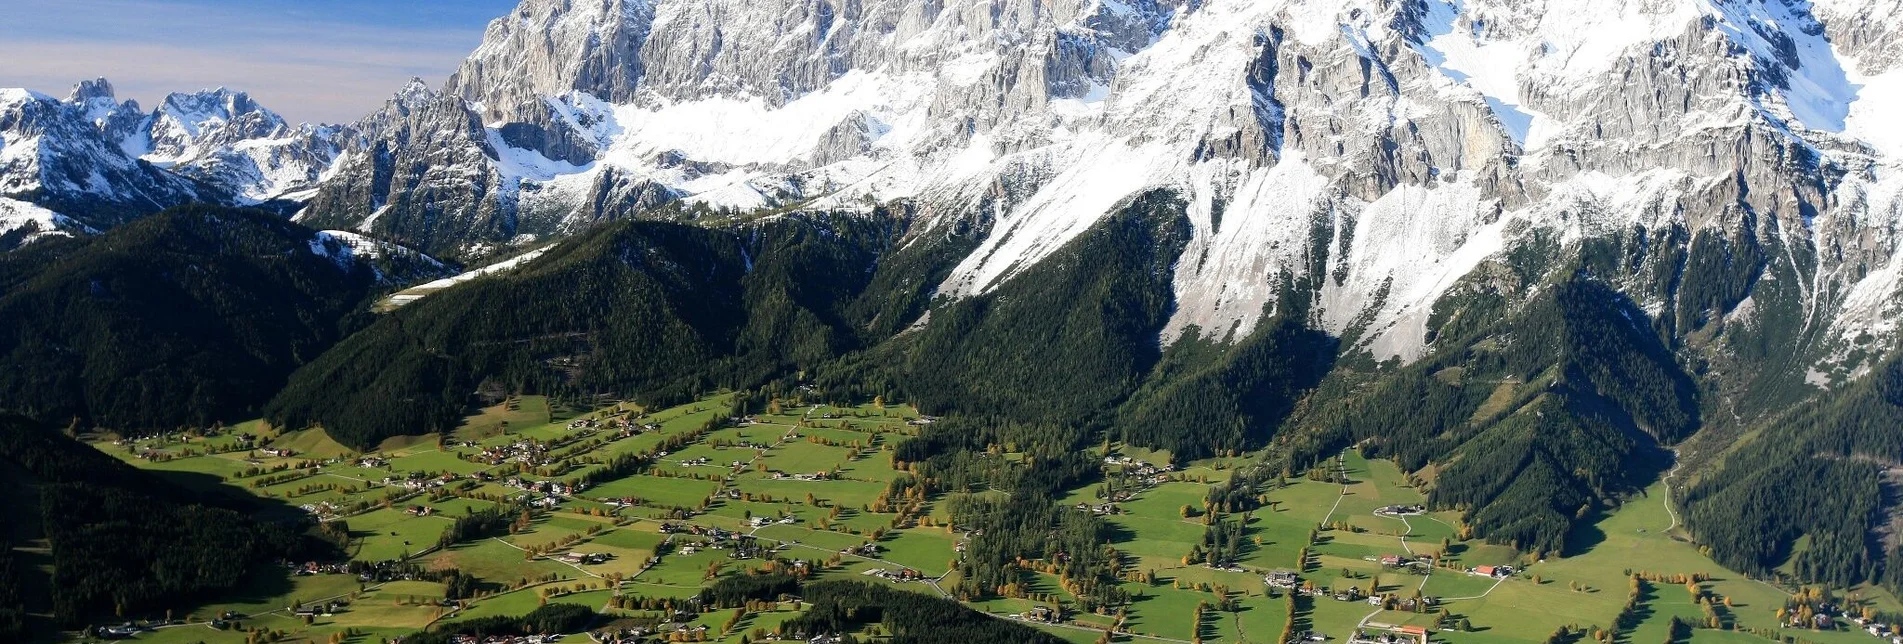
1391 635
697 530
1877 629
121 631
1041 614
627 426
1287 580
738 546
418 481
501 639
315 610
862 550
1148 473
1100 509
764 521
323 510
527 452
309 568
550 488
1402 561
1820 620
900 575
280 453
1401 511
583 558
1408 604
1350 594
816 476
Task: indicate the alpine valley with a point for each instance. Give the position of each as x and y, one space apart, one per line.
1090 295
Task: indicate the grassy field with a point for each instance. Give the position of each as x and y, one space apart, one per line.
1334 522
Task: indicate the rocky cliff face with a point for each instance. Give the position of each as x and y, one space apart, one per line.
422 171
1379 152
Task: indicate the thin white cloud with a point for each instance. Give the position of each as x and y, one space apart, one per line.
306 69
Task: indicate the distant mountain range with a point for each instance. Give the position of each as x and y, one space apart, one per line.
89 162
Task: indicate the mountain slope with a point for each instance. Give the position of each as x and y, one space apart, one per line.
650 310
189 317
124 541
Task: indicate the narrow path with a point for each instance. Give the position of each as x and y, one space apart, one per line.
207 623
1087 628
1496 584
1667 480
933 582
1406 529
1344 494
1364 621
577 568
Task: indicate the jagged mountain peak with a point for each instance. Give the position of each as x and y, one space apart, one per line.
97 161
91 90
213 107
416 92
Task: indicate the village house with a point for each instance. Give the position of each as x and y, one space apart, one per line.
1491 571
1282 579
1043 614
120 632
583 558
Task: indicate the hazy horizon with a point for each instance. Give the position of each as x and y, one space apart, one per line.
328 62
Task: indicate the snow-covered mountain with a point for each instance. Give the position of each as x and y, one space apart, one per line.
1387 154
1394 147
96 161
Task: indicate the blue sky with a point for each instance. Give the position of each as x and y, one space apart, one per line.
310 60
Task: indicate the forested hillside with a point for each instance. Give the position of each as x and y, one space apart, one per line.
189 317
1530 418
649 310
1820 472
123 541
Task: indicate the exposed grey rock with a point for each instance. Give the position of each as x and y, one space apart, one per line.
421 172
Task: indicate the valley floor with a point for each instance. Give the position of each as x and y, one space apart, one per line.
811 483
